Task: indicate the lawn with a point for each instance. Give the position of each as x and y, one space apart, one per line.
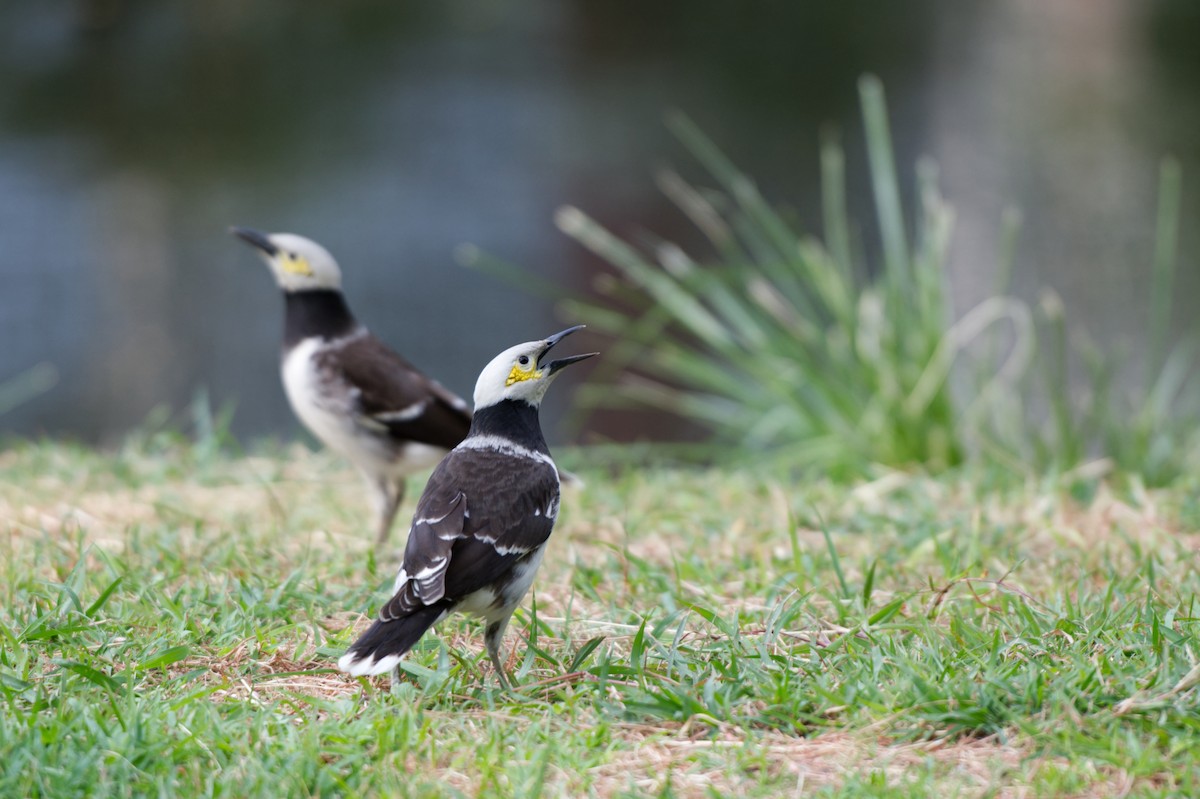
172 612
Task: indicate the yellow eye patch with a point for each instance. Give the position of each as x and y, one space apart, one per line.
295 265
517 374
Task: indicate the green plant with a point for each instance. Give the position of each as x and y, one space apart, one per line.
785 343
1136 413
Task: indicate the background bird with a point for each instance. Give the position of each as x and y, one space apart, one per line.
481 525
357 396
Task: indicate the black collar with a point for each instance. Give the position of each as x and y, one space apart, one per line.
515 420
316 312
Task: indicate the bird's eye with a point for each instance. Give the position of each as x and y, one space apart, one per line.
523 360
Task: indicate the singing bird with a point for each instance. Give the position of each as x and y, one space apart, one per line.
358 397
481 526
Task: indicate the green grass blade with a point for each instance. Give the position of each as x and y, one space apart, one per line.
1166 238
883 178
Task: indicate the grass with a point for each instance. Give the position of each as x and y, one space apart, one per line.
171 613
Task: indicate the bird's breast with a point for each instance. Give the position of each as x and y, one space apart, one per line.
323 403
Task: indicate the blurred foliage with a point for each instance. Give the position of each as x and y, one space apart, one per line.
787 345
27 385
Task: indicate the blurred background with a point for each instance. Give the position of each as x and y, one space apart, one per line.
133 133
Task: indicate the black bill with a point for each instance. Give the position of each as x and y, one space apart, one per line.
555 365
255 239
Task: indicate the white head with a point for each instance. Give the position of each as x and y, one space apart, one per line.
516 373
297 263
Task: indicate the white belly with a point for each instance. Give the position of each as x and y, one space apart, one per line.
484 602
323 409
523 576
327 406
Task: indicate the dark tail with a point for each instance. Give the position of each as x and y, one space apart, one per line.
380 648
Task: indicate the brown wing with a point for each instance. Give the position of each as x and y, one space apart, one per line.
390 394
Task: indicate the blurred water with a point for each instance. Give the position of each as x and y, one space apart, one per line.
132 134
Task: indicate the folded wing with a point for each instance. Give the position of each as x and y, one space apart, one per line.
477 518
391 394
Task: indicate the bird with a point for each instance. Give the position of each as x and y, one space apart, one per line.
481 526
357 396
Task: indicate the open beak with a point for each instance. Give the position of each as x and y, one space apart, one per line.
556 365
255 239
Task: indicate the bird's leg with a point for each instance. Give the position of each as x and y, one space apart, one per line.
492 636
396 680
388 496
